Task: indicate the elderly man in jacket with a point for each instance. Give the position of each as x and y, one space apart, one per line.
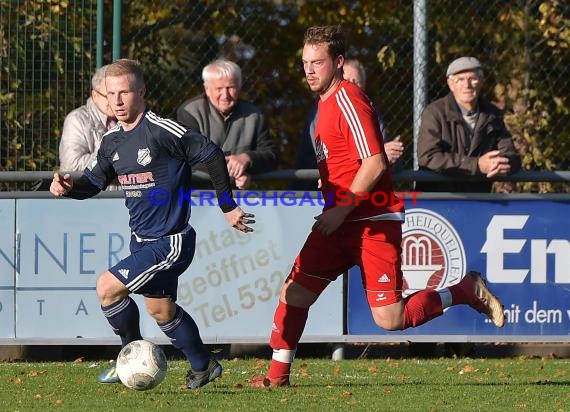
463 134
235 125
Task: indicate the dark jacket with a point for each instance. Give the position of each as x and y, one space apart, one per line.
444 145
245 131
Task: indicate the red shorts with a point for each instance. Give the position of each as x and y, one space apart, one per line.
373 246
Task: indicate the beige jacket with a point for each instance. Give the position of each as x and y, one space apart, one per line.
83 129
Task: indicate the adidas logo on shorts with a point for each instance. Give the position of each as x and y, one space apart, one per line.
124 273
384 279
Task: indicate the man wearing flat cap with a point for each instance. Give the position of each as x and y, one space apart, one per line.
463 134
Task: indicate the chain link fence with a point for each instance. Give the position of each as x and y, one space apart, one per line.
49 53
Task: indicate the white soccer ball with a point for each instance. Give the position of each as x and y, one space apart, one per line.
141 365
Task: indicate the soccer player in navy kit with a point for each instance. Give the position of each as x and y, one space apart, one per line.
151 156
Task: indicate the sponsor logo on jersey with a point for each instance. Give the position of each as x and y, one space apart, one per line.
115 157
143 156
433 255
136 179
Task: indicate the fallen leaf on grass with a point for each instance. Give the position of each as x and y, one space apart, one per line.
468 369
259 364
392 363
346 393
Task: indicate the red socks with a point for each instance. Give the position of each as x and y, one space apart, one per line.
421 307
463 291
279 371
288 325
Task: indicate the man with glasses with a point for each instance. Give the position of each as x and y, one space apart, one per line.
463 134
84 127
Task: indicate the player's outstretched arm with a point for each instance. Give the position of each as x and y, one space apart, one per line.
240 220
237 218
64 185
61 184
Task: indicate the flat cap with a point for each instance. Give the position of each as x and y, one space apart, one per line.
463 64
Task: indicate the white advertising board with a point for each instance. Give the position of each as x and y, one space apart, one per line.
8 265
231 288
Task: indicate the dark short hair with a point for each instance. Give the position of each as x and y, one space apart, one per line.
330 35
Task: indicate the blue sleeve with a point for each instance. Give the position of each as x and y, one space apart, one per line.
100 172
191 146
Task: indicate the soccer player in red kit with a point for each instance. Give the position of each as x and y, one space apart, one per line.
353 229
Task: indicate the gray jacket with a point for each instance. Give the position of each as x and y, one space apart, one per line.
83 129
444 145
245 131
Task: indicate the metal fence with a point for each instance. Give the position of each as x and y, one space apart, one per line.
49 51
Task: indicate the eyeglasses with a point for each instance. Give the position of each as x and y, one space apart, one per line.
99 93
464 80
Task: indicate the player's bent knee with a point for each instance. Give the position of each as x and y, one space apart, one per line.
294 294
389 317
162 310
389 324
109 289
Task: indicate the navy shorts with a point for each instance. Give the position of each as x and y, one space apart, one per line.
154 265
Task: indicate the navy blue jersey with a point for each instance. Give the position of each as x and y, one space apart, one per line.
155 158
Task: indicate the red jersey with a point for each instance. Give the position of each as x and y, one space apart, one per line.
346 131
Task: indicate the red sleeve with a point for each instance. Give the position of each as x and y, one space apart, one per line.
359 122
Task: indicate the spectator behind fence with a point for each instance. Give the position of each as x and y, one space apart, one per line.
237 126
353 71
84 127
463 134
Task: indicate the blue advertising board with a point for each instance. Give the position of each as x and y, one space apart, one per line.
522 248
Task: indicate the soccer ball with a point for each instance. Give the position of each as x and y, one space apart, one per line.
141 365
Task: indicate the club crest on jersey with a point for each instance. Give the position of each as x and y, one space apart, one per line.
143 156
433 255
